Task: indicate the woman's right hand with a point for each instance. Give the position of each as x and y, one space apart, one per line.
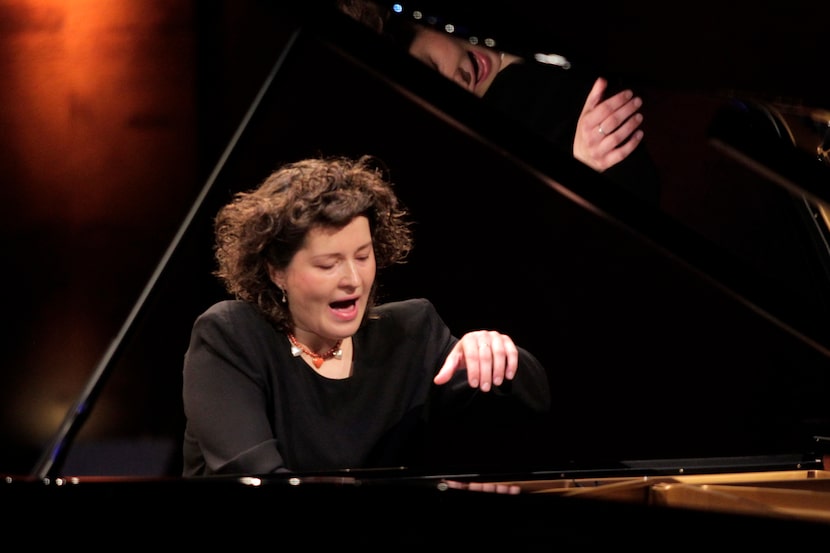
607 130
489 356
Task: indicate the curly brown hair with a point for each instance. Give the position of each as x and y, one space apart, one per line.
367 12
267 225
379 18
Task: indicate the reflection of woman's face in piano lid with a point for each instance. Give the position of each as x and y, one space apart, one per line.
472 67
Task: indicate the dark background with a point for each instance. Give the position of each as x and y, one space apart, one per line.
113 117
115 121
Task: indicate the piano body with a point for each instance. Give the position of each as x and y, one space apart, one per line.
689 352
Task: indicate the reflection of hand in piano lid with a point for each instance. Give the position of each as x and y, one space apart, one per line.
489 487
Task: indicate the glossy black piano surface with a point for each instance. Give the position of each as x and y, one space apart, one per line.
689 330
399 511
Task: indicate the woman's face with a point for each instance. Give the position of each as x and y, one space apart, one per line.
328 282
472 67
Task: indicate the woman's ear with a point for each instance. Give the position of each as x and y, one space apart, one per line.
277 276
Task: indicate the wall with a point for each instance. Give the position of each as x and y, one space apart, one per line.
112 116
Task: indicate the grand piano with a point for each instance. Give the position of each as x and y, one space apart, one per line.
686 340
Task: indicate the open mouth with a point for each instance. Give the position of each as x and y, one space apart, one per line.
476 67
482 65
344 304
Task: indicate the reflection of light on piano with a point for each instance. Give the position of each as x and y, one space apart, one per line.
450 28
66 481
553 59
250 481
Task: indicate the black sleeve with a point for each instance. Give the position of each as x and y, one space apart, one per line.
529 388
225 394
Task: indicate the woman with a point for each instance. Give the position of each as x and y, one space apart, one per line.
603 133
302 371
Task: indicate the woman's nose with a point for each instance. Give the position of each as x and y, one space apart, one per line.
351 276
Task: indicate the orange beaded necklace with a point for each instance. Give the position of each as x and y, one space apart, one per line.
298 349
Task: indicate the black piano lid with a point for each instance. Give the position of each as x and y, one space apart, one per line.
660 344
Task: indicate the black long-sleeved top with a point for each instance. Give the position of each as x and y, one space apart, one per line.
253 408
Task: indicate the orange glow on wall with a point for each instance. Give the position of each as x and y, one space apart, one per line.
97 111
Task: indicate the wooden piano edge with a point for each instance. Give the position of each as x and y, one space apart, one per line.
796 494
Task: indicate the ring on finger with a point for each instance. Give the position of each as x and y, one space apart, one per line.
602 132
